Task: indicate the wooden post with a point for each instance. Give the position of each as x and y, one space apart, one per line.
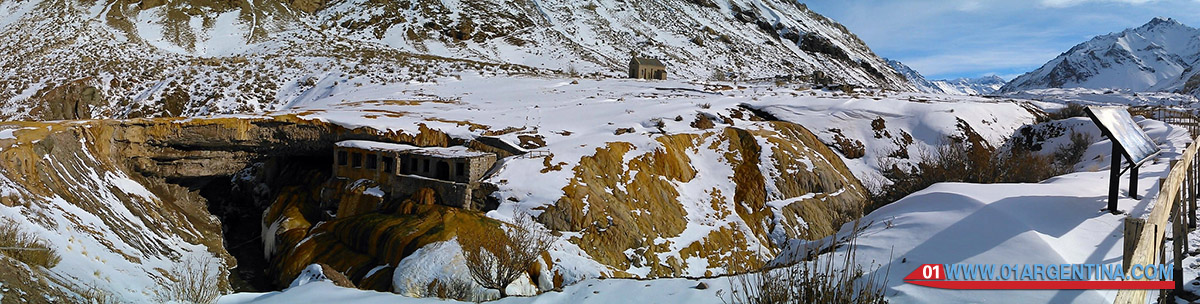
1114 176
1193 169
1179 237
1133 232
1133 180
1161 182
1180 221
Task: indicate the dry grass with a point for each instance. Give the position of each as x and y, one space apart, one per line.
96 295
495 261
196 281
25 247
454 289
809 282
1071 110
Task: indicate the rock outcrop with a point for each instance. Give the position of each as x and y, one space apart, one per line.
721 196
624 218
122 195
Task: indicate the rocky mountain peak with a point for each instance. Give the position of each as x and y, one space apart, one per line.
1156 56
960 86
1160 22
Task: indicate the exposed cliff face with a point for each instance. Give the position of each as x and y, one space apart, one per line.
628 212
119 200
643 205
117 232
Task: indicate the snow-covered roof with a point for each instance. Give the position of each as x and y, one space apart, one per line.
374 145
648 61
446 152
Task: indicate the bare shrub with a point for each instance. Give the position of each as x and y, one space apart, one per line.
821 281
96 295
456 289
1071 110
25 247
495 261
1069 155
195 281
955 160
719 75
571 71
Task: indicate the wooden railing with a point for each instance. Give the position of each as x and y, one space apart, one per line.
1175 204
1179 117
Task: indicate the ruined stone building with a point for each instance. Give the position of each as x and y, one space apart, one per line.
647 68
455 173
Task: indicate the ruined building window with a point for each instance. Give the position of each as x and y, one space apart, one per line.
372 161
387 164
459 169
356 160
443 170
341 158
412 166
425 167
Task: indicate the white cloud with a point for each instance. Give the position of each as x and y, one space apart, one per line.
973 5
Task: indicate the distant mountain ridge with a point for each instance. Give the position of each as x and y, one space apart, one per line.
1158 56
971 86
961 86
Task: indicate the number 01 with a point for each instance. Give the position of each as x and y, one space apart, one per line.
931 272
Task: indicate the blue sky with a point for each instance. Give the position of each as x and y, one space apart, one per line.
971 38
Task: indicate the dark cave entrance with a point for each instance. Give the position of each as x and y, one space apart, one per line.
239 202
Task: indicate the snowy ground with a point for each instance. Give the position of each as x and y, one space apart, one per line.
577 116
1056 221
587 291
1053 222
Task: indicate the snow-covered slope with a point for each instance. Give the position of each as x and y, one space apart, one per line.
582 123
68 59
120 235
961 86
580 120
1057 221
695 39
874 132
1157 56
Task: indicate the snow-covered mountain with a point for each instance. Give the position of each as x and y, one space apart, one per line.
971 86
960 86
915 78
68 59
1157 56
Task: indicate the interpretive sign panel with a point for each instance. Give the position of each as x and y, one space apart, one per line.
1115 121
1128 140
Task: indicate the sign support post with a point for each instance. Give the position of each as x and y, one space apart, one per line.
1114 178
1129 141
1133 177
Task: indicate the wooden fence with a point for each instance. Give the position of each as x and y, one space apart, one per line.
1174 208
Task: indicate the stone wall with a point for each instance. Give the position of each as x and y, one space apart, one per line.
448 193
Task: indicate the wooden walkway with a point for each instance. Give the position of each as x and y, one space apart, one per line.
1174 208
